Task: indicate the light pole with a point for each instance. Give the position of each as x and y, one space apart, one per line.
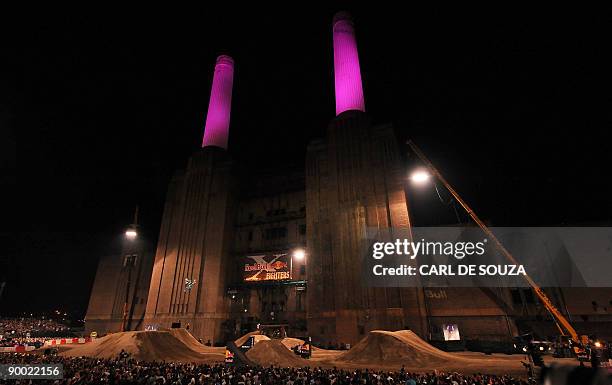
131 235
299 254
130 259
419 177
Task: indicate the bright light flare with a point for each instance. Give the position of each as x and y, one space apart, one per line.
420 177
131 233
299 254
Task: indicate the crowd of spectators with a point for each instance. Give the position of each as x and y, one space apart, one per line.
30 331
35 327
80 370
22 341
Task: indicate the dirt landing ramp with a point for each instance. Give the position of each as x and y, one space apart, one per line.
381 347
273 352
192 343
291 342
146 346
240 359
258 337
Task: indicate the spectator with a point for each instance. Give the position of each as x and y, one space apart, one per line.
81 370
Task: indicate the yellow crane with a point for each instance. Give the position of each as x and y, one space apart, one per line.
564 326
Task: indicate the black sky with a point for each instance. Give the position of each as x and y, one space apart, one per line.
513 106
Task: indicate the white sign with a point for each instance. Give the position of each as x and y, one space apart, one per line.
451 332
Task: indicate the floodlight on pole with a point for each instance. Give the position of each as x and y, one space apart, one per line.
130 260
563 324
132 232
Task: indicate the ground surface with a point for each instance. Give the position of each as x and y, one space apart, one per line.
171 345
378 350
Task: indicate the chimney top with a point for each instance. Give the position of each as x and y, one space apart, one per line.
342 16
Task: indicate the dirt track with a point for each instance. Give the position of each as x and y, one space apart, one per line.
394 350
400 348
378 350
274 352
386 350
258 337
150 346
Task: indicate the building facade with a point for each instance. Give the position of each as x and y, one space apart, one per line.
120 291
239 249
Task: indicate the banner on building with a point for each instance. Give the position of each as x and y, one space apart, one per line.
451 332
267 267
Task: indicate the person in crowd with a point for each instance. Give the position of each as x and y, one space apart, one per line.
125 371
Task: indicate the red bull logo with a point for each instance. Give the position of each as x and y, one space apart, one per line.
279 265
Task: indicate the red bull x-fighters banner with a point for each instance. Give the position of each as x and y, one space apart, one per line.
267 267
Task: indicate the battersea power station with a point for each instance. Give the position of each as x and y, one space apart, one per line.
284 247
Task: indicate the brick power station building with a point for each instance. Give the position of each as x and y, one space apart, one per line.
283 247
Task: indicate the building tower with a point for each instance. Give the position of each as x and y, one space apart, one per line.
220 106
354 181
347 74
189 272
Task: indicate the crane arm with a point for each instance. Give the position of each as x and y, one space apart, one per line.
562 323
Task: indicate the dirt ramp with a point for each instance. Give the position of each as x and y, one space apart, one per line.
163 346
192 343
404 347
273 352
185 337
258 337
291 342
146 346
108 346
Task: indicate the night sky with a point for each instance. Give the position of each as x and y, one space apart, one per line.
513 107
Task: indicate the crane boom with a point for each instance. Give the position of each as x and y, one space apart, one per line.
562 323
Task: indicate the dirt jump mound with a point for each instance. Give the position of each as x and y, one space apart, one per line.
273 352
147 346
290 342
258 337
192 343
381 347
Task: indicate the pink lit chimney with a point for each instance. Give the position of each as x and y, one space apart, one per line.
218 118
347 75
